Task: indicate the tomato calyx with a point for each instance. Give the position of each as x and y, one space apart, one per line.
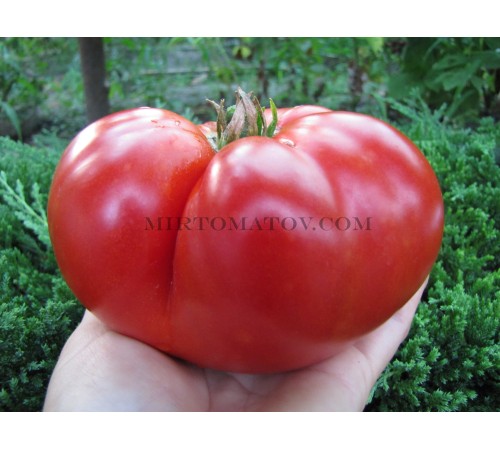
245 118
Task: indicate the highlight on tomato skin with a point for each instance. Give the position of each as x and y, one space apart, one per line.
240 252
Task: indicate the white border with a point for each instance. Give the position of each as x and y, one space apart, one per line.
249 18
249 430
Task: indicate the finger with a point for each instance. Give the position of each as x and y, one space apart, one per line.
100 370
85 333
354 372
380 346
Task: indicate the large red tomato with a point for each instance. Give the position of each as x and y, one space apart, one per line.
272 254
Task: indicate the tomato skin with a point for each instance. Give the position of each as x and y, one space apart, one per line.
128 166
245 300
289 298
286 115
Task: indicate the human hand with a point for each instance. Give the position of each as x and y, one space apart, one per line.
100 370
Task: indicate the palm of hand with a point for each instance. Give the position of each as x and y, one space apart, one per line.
100 370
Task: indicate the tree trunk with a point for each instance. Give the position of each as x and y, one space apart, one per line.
93 66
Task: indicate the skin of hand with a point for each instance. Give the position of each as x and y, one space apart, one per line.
100 370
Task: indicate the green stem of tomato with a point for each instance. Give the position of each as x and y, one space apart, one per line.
245 118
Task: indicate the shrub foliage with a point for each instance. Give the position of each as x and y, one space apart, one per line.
37 310
451 359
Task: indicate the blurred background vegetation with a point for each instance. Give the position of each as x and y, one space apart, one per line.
41 85
444 93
